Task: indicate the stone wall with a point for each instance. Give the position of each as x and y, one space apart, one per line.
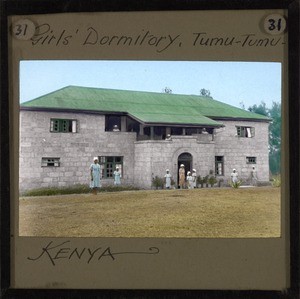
142 160
75 150
153 157
235 149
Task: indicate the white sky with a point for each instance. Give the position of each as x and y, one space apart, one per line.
228 82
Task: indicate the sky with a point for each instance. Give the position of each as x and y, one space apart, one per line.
234 83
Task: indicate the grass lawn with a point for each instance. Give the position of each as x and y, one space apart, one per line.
204 213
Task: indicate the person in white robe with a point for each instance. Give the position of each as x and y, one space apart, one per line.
168 177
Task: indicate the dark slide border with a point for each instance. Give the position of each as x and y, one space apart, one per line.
16 7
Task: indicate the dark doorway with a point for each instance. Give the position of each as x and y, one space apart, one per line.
187 160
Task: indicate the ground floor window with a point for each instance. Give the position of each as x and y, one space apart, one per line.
48 162
251 160
109 165
219 165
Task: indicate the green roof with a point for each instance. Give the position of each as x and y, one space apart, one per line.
147 107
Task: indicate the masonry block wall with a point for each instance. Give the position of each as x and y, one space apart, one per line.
142 160
153 157
236 149
75 150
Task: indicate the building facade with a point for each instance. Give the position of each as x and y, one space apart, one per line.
60 133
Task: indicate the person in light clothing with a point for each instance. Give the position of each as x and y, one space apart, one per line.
117 176
168 177
234 176
95 171
181 177
189 180
254 176
194 175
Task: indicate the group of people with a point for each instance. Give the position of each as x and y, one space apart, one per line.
95 171
189 181
185 181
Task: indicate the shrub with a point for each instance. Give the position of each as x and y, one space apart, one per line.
76 189
276 181
158 182
212 180
236 184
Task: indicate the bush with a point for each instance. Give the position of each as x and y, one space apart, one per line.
158 182
276 181
212 180
236 184
76 189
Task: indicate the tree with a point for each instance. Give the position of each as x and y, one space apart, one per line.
205 93
274 132
167 90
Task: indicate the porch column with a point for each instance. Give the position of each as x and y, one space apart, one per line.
183 131
168 130
151 133
123 124
141 129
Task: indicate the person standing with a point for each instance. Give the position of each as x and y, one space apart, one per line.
181 177
117 177
254 176
234 176
194 175
189 180
168 179
95 171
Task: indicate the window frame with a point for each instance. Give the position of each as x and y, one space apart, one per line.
61 125
56 162
249 158
216 165
242 131
107 173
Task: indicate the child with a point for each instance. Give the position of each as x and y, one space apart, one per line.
189 180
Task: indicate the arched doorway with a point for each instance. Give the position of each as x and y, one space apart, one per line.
187 160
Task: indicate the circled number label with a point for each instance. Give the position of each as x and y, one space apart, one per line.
23 29
275 24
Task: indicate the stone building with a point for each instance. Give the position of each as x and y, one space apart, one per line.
143 133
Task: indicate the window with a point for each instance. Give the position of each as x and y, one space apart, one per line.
48 162
109 165
63 125
251 160
219 165
111 121
247 132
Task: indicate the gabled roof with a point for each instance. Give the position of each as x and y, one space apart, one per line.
146 107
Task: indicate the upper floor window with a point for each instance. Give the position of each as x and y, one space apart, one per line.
247 132
63 125
112 123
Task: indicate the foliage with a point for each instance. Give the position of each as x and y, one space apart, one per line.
236 184
212 180
158 182
205 93
167 90
276 181
76 189
274 132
